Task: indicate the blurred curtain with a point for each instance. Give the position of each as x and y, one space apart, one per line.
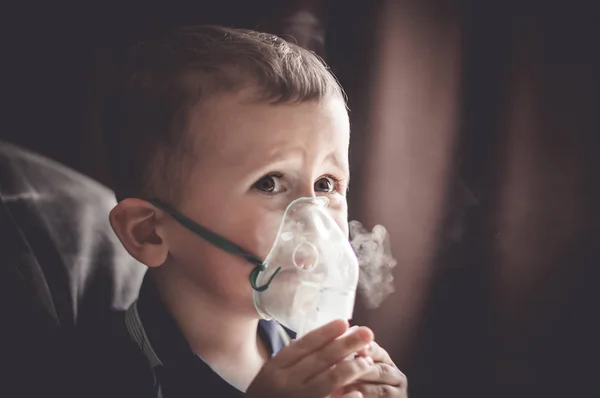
479 153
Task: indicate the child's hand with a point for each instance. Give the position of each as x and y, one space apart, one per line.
383 380
314 366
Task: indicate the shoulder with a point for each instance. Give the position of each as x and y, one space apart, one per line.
109 363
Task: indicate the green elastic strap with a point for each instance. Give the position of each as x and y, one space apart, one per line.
221 243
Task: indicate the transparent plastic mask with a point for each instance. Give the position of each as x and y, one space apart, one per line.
312 269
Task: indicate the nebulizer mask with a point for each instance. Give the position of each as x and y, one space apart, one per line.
314 270
310 275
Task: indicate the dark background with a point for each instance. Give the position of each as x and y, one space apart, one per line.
475 141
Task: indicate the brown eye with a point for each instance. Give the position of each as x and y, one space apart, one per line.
325 184
269 184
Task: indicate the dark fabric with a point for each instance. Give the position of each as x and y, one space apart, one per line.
114 366
63 218
108 363
29 330
60 266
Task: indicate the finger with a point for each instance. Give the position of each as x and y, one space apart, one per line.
346 333
342 393
384 373
368 390
377 353
340 375
333 353
308 344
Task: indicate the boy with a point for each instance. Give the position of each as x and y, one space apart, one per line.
225 127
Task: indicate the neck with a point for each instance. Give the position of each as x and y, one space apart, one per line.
219 334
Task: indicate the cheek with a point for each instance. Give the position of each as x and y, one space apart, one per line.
211 269
192 254
256 232
248 222
339 212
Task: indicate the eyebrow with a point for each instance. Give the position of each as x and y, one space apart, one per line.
278 156
339 165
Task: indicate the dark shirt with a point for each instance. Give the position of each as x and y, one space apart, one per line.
160 363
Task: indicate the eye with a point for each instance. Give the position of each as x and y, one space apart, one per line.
270 184
325 184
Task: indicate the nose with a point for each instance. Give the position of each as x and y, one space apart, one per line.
310 200
307 190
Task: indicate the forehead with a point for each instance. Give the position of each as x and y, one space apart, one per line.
231 128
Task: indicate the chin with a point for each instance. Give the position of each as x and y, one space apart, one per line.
247 310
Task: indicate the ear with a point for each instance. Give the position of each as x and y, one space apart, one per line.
140 228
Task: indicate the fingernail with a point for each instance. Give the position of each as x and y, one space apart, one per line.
367 336
348 331
370 361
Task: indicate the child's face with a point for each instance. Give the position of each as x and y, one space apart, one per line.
256 159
